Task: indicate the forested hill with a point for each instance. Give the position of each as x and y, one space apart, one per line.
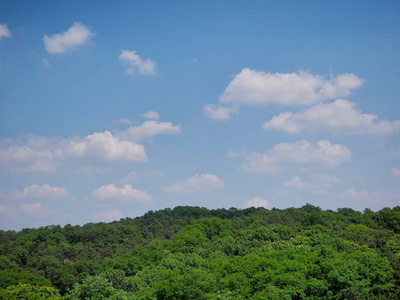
196 253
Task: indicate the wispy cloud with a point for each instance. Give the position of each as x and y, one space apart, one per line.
134 63
395 171
197 183
316 184
220 113
153 115
4 31
108 215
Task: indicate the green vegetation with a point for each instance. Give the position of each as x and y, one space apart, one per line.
196 253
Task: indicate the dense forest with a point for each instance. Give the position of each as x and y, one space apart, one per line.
197 253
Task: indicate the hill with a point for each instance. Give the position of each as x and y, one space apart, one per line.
197 253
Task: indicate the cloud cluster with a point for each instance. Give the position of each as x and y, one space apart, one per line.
102 146
197 183
339 115
303 153
317 184
256 202
45 191
77 35
134 63
251 87
125 194
45 154
48 156
4 31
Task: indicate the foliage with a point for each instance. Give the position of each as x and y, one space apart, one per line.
196 253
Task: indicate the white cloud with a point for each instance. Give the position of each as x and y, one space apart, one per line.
125 121
197 183
339 115
103 146
256 202
125 194
4 31
36 210
321 153
251 87
108 215
395 171
131 177
27 159
134 63
41 191
77 35
220 113
317 184
389 197
135 176
151 115
41 154
147 130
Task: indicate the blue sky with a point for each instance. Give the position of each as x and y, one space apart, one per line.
108 110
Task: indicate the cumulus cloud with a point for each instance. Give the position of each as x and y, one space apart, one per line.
395 171
251 87
321 153
197 183
126 194
27 159
134 63
148 130
101 145
77 35
339 115
317 184
41 154
108 215
45 154
153 115
41 191
4 31
220 113
256 202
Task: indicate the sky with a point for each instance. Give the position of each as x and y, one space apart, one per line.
111 109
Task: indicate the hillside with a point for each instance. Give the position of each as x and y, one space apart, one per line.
197 253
